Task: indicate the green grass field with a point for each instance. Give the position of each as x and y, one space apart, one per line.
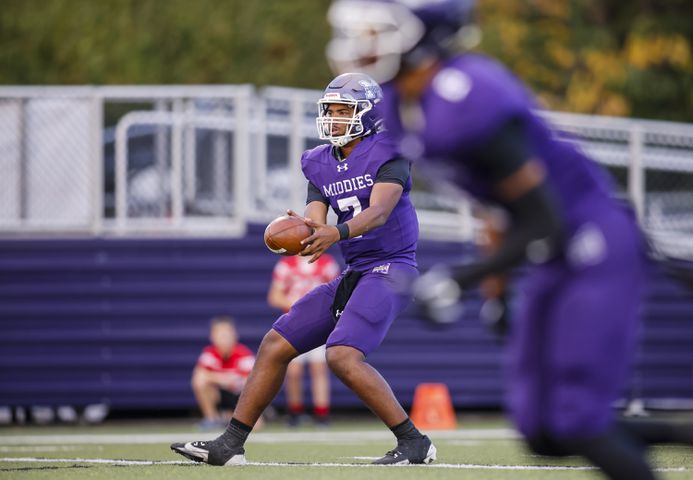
483 447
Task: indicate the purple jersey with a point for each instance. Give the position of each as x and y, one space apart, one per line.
468 100
347 185
574 330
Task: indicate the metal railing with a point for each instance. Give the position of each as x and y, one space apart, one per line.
208 159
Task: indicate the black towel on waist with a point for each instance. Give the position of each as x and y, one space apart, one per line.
344 290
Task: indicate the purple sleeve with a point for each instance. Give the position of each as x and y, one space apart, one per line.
305 164
311 161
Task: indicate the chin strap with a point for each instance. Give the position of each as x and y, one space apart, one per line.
341 141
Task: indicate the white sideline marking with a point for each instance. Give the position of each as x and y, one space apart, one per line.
260 437
41 448
460 466
108 461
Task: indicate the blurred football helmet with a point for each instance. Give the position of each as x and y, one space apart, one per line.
361 94
383 37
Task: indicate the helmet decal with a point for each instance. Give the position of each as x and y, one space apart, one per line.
369 88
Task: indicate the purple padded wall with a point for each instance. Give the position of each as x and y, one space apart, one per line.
122 321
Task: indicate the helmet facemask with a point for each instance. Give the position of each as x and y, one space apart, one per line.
326 122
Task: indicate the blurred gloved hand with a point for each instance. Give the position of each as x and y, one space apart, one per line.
495 315
438 296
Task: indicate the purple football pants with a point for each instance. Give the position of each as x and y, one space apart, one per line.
380 295
575 334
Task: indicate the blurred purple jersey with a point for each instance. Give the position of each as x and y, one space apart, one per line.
574 333
347 185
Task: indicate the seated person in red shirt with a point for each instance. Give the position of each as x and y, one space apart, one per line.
220 374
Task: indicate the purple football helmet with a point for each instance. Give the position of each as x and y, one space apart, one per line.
384 37
361 94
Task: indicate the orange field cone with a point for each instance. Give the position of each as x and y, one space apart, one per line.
432 408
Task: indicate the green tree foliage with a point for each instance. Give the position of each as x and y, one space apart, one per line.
607 57
163 41
610 57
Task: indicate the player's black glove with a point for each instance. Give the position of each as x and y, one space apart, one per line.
438 296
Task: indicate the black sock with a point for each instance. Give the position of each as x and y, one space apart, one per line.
406 431
618 455
652 432
236 432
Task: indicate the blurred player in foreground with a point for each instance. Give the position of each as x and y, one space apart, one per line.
292 278
366 182
220 373
475 127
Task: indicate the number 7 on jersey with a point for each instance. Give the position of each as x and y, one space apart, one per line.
347 203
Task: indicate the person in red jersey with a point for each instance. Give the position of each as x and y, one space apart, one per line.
292 278
220 373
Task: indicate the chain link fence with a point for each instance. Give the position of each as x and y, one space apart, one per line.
48 173
668 184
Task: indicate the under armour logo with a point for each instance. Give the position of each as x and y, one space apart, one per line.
343 167
338 313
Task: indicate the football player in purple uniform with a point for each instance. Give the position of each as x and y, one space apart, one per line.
475 126
364 179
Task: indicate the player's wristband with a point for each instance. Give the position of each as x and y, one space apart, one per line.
343 229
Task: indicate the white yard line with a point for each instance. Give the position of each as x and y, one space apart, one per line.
107 461
260 437
462 466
